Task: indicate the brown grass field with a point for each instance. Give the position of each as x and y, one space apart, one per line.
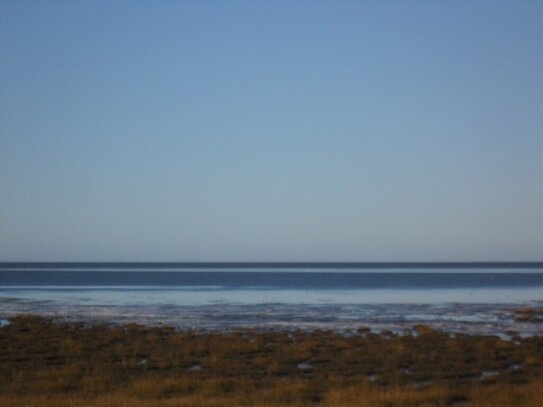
45 363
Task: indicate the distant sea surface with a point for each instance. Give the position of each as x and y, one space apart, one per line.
459 297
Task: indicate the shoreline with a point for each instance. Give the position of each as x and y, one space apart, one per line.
473 319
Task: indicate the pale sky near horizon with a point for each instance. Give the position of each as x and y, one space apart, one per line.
271 131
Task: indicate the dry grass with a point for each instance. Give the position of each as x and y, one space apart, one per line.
45 363
529 314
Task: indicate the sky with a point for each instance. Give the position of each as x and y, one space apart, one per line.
271 130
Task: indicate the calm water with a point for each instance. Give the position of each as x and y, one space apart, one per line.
467 299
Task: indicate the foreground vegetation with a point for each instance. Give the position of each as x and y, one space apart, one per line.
49 363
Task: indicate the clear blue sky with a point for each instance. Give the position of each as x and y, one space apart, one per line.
271 130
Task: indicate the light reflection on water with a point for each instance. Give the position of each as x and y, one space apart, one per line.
191 296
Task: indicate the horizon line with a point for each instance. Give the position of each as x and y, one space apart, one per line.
272 264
